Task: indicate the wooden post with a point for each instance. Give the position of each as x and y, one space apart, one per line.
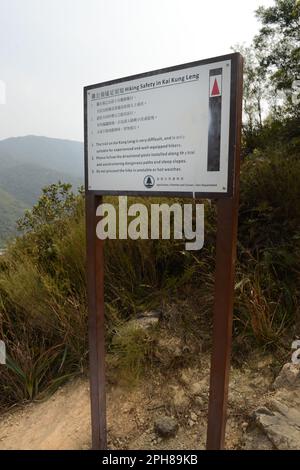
95 283
227 221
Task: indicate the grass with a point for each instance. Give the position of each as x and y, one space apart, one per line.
130 353
43 313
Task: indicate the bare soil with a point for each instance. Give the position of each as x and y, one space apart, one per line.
63 420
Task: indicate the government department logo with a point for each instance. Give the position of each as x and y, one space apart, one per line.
149 181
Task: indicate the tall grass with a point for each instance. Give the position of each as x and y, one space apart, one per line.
43 315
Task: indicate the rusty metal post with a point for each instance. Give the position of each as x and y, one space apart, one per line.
95 288
227 221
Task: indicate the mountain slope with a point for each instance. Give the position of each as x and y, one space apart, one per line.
56 154
10 210
24 181
27 164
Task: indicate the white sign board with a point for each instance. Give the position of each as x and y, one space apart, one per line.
161 132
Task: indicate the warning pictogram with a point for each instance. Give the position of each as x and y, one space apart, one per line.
149 181
215 114
215 85
215 90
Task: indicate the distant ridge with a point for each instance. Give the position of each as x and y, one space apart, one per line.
56 154
26 165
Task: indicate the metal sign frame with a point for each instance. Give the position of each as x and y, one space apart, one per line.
231 152
227 219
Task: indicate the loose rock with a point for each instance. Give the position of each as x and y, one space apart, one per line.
180 399
289 377
281 424
169 349
165 426
196 388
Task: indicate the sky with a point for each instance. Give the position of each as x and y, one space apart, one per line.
51 49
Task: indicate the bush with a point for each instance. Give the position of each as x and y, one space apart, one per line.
43 286
43 293
269 245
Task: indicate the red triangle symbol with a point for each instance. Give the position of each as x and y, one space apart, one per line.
215 90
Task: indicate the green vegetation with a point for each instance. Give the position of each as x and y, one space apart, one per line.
26 165
42 276
10 210
278 44
43 292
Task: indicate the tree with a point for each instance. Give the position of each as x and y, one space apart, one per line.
254 87
278 44
255 94
56 202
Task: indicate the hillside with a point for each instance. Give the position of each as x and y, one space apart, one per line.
25 180
26 165
10 210
64 156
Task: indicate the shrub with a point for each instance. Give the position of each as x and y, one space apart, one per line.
43 314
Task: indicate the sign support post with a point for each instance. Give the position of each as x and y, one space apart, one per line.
96 328
222 323
227 224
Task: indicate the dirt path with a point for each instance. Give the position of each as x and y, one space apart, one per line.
63 421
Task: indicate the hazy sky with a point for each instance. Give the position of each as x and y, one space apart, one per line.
50 49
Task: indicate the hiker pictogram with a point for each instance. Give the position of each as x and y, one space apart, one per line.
149 181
